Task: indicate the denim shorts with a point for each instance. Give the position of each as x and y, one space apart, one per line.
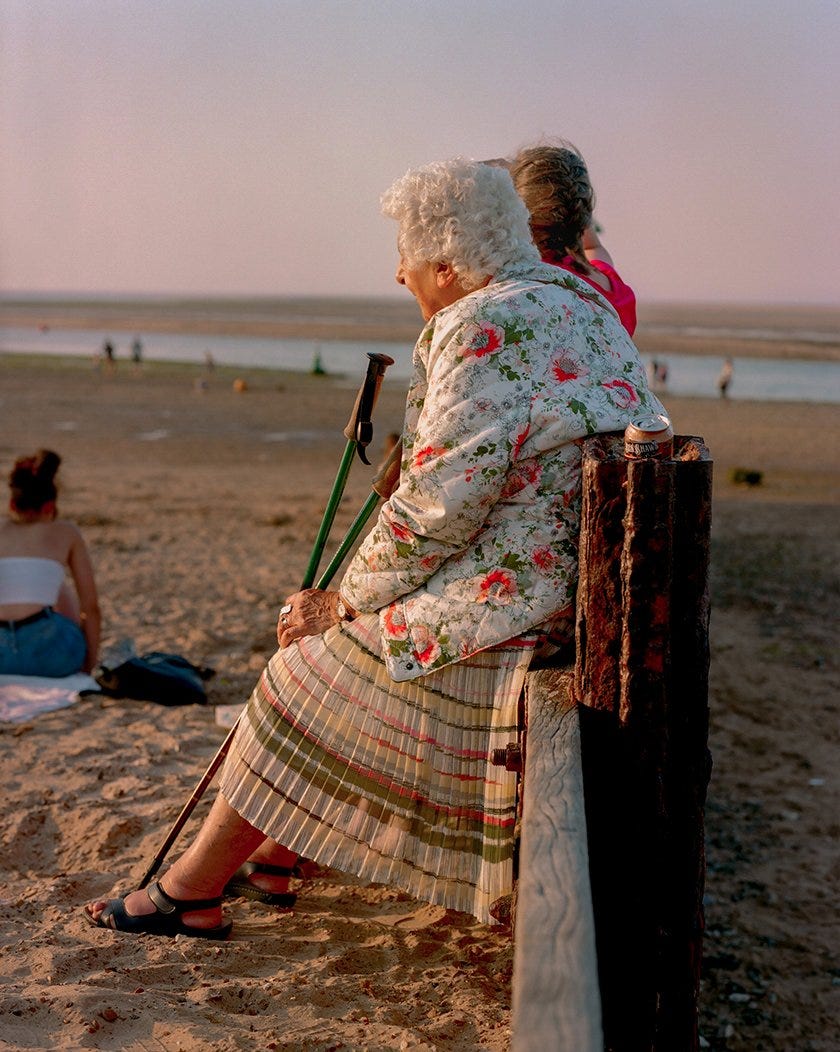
49 644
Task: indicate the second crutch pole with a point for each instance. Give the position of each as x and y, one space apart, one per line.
384 483
359 433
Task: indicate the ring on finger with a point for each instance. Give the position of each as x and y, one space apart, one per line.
284 610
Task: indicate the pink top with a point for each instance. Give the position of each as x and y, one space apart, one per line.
620 296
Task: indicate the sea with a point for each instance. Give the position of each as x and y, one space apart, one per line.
772 378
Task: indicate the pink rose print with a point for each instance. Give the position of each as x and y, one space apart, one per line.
394 622
562 372
426 648
519 441
525 474
624 393
532 471
544 558
422 456
514 484
498 585
481 340
566 367
402 533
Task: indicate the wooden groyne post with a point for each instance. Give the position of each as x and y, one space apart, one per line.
609 917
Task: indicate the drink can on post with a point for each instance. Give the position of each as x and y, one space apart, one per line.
649 438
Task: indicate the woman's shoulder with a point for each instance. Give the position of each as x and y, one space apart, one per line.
68 526
64 532
36 538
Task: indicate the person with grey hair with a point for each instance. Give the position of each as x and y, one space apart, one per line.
365 746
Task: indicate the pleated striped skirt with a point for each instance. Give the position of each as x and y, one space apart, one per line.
390 782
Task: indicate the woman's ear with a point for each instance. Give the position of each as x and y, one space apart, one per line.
444 275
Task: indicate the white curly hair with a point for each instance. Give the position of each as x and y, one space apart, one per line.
465 213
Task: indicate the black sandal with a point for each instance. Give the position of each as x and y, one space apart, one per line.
166 920
240 886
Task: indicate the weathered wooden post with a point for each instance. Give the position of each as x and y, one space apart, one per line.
556 1003
624 737
641 677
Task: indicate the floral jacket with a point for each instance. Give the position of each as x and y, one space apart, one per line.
478 543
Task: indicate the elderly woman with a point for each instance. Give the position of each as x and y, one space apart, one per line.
365 744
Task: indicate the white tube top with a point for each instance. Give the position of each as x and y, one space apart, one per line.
27 579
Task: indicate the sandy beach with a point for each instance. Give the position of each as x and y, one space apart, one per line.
200 505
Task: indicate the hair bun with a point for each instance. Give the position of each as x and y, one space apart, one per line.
32 480
45 464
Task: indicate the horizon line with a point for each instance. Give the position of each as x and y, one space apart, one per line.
43 295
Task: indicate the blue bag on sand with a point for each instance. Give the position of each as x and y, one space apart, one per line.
167 679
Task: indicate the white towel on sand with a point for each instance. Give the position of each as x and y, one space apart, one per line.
22 697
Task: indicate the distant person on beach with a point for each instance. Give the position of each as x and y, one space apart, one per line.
365 745
724 379
46 628
137 352
553 181
108 355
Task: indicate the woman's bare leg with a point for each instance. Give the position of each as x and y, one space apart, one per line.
273 854
224 841
270 853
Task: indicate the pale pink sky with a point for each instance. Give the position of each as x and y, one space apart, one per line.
212 146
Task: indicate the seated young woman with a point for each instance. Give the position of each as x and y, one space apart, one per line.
47 628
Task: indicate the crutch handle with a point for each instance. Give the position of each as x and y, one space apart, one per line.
359 427
388 476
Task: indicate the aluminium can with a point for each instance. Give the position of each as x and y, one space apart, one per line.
649 438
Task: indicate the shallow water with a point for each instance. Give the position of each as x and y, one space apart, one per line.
762 379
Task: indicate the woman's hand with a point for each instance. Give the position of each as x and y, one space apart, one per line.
308 613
